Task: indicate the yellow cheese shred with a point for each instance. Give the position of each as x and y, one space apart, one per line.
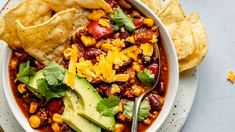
72 66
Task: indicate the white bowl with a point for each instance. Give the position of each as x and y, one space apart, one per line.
173 74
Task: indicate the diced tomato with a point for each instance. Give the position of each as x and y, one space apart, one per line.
153 68
138 22
99 31
55 105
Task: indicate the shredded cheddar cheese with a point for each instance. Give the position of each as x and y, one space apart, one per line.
231 76
147 49
72 66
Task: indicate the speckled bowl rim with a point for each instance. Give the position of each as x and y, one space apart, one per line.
173 77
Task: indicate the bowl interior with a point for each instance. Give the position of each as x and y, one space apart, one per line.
172 61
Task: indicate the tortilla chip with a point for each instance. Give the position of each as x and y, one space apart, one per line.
95 4
47 40
200 38
60 5
182 36
29 13
179 28
152 4
172 13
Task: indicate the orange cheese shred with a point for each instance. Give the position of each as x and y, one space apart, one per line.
72 66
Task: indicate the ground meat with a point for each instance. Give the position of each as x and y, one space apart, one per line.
143 35
42 113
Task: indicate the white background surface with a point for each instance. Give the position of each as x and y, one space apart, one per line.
214 106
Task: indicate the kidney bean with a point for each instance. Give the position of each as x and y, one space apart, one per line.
161 88
91 53
55 105
147 60
156 102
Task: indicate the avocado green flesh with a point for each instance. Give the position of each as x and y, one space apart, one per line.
71 117
32 86
89 99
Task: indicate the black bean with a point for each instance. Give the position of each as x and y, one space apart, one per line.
125 65
147 60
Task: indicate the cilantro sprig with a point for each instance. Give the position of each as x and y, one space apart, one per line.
52 85
144 110
108 106
146 77
25 73
121 19
54 73
50 92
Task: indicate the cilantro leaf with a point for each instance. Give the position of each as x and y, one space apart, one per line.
121 19
49 91
144 110
146 77
54 73
108 106
25 72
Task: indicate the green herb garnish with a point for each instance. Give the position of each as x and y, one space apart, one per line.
108 106
49 91
54 73
121 19
144 110
146 77
25 73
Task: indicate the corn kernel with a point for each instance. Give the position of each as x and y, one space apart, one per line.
67 53
88 41
131 39
147 121
13 64
33 107
96 14
55 127
148 22
115 89
57 118
119 127
104 23
120 107
231 76
107 47
34 121
121 77
137 91
21 88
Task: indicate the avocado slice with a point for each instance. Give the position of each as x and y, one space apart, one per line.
32 86
89 99
71 117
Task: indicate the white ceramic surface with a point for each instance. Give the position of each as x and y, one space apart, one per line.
173 80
